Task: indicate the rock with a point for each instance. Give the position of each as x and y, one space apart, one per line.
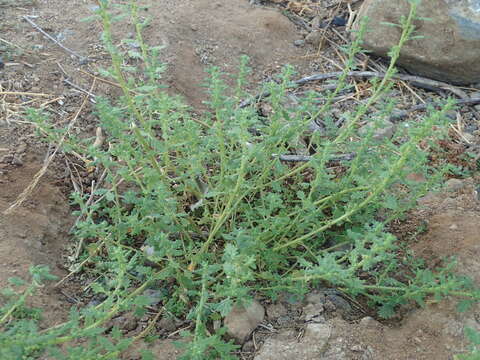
310 347
167 324
476 95
316 21
454 185
386 131
319 333
335 353
369 322
17 161
356 348
242 320
451 114
127 322
277 310
249 346
313 313
325 300
314 38
339 21
284 320
299 43
339 303
155 296
450 47
368 354
17 85
315 297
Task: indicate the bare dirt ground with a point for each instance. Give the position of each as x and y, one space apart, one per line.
196 34
35 234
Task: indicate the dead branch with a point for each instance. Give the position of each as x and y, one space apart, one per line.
26 193
415 80
82 59
399 115
75 86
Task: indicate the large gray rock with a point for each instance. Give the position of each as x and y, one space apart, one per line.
450 49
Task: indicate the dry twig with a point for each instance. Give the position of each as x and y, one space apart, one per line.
24 195
401 114
416 80
83 60
92 96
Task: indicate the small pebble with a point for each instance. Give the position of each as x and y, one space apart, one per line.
17 161
337 21
155 296
93 8
452 114
249 346
368 321
356 348
299 43
316 21
314 38
454 185
167 324
275 311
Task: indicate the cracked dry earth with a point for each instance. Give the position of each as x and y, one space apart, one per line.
196 34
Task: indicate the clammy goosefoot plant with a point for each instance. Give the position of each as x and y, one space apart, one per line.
201 211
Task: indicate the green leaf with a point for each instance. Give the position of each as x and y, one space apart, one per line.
464 305
16 281
147 354
386 311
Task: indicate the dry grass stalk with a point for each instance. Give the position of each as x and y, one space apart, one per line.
29 189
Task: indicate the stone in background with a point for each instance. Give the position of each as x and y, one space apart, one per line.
450 49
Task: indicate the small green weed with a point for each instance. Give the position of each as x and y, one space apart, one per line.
474 353
201 208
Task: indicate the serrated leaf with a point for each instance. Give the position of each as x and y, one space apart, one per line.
386 311
134 54
464 305
16 281
147 354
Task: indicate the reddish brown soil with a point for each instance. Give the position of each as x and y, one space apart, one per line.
34 234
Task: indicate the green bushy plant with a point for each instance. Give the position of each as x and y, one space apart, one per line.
202 208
